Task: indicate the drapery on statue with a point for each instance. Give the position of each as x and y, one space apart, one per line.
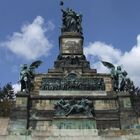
120 80
27 75
71 21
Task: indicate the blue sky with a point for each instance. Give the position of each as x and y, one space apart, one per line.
111 32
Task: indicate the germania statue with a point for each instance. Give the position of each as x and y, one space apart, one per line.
71 21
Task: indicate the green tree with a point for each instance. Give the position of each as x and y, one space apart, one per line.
7 98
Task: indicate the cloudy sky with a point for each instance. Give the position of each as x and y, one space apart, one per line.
29 30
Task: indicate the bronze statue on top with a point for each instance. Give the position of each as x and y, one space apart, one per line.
71 21
27 76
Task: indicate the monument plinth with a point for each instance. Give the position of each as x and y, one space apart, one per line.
69 95
71 44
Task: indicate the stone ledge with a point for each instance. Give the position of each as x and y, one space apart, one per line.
15 137
66 132
72 93
116 132
22 94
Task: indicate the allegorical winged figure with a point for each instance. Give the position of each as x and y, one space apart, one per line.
118 76
27 75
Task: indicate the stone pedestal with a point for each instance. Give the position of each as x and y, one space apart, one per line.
18 116
71 44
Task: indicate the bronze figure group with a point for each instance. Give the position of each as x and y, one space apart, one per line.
71 21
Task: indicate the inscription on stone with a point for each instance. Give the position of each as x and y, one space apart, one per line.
75 124
72 93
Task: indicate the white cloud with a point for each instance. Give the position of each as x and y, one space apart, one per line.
50 26
31 42
98 51
16 87
103 51
130 60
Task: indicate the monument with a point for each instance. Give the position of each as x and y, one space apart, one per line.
71 99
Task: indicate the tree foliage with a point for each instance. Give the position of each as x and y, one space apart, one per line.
7 98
